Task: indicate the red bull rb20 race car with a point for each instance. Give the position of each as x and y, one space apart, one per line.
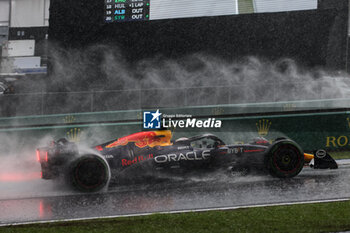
147 154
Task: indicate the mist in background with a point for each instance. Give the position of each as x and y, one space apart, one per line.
105 65
194 80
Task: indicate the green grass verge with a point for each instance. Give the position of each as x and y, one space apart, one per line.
245 6
340 154
323 217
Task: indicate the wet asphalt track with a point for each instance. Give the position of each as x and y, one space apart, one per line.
38 200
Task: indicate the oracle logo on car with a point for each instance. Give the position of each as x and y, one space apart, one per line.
192 155
128 162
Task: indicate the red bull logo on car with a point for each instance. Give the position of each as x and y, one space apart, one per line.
128 162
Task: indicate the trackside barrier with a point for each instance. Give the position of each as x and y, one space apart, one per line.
313 124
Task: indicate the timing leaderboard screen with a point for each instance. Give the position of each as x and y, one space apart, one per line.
135 10
141 10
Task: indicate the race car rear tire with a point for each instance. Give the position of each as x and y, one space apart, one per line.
284 159
88 173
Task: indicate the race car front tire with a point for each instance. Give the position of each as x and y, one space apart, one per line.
284 159
88 173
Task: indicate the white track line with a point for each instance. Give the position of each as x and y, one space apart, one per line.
178 211
343 162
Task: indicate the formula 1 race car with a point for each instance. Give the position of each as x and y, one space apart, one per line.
149 153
